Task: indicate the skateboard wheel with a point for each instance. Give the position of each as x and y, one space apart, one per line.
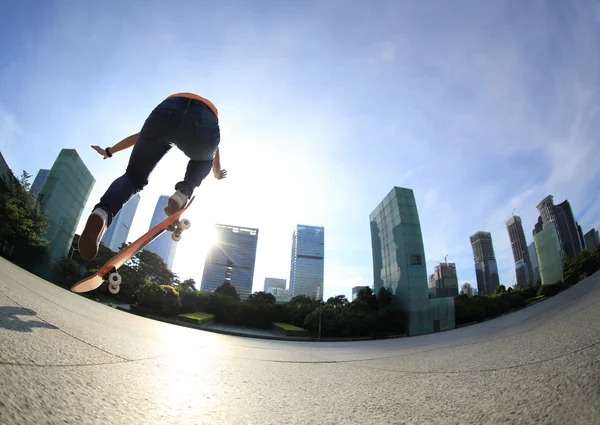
176 236
185 224
114 279
114 289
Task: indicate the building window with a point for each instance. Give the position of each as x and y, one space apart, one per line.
416 260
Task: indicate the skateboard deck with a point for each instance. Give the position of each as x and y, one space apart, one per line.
92 282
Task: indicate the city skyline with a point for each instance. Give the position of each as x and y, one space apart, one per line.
465 118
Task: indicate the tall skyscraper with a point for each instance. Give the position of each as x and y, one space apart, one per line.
231 260
307 265
591 240
534 263
520 252
39 180
163 246
549 254
443 282
272 282
63 197
486 269
116 234
562 217
399 264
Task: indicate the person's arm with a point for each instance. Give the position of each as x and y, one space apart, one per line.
126 143
216 168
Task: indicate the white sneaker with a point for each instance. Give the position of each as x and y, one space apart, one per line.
176 202
90 238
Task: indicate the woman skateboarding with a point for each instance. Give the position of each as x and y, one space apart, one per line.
185 120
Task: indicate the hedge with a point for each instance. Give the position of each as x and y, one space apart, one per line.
290 330
196 318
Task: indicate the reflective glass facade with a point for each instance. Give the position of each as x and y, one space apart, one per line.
163 246
549 254
486 269
514 226
39 180
231 259
272 282
4 168
399 264
62 197
116 235
307 265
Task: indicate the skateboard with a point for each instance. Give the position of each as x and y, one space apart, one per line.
108 272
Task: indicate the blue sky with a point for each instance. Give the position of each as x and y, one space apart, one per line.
480 107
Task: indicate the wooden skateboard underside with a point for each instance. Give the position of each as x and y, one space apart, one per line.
94 281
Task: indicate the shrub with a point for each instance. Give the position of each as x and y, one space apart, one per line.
163 299
196 318
290 330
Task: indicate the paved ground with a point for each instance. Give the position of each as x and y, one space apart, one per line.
66 359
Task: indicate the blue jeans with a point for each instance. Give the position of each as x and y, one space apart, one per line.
186 123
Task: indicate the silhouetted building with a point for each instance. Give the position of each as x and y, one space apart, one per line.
443 282
4 168
520 252
116 235
307 267
467 289
231 260
486 269
591 240
399 264
561 216
62 197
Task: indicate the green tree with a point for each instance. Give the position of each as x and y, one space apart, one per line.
226 289
153 268
69 271
384 297
188 285
499 289
339 301
22 223
366 294
261 297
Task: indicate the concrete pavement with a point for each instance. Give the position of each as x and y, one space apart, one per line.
66 359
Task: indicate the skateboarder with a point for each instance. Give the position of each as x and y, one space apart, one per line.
185 120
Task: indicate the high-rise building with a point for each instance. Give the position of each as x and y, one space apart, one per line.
562 217
163 246
534 263
591 240
63 197
272 282
399 264
281 295
39 180
467 289
486 269
116 234
356 290
231 260
443 282
520 252
307 265
549 254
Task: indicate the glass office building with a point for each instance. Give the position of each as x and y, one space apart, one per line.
399 264
272 282
549 254
38 182
62 197
231 260
116 235
307 266
486 268
163 246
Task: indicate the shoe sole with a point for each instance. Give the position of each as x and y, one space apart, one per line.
172 207
88 247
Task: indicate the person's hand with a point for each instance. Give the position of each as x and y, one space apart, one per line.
221 175
100 151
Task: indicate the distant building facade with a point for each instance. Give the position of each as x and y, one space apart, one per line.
281 295
116 235
307 266
399 264
4 168
549 254
443 282
562 217
523 267
231 260
163 246
39 180
467 289
592 240
271 282
486 268
534 263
